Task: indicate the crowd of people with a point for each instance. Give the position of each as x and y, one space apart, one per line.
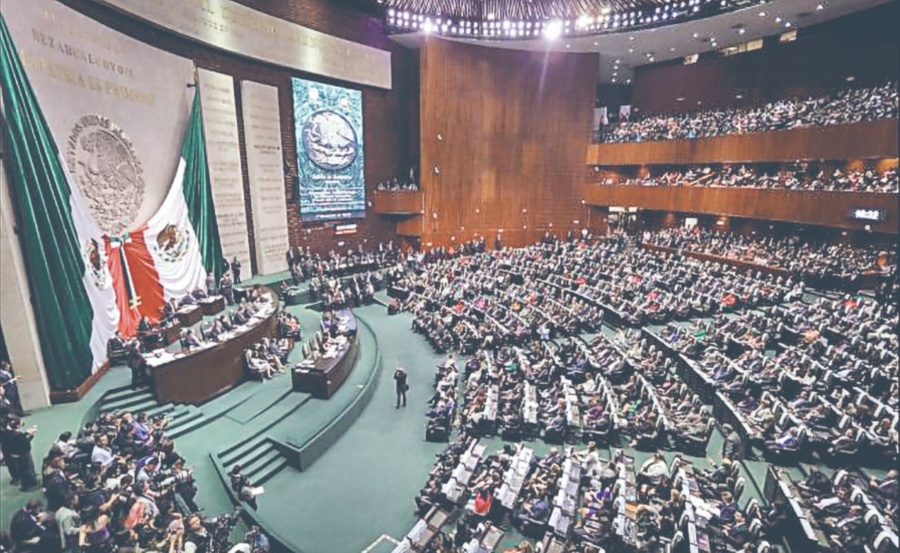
409 183
829 391
510 309
600 504
816 377
268 357
820 263
118 484
846 106
743 176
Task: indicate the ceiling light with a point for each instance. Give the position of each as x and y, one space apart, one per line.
762 14
787 23
850 79
778 20
696 35
631 50
742 31
568 45
553 30
679 99
631 38
671 48
820 7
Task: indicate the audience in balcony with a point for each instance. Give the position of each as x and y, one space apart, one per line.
748 177
408 183
839 108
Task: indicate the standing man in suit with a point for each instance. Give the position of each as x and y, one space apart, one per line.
733 447
401 383
17 452
236 270
226 287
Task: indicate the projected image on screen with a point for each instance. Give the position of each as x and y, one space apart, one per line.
328 124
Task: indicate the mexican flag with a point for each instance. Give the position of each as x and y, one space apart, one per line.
171 254
86 285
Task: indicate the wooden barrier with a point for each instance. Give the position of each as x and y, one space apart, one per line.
800 206
398 203
871 139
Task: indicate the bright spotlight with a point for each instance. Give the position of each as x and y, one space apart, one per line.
553 30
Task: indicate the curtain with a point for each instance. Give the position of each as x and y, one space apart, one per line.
40 197
198 193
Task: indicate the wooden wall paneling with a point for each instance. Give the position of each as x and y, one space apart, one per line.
511 124
873 139
807 207
862 45
386 112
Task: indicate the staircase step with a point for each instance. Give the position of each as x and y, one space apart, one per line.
263 423
271 470
164 409
133 403
250 468
246 449
260 449
195 423
122 393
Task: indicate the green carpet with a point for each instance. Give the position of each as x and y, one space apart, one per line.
364 485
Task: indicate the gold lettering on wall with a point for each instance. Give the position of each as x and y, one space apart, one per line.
76 78
237 28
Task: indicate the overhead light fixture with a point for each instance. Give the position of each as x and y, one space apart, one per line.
742 31
850 79
553 30
762 14
778 19
820 7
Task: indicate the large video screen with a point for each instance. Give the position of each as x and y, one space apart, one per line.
328 124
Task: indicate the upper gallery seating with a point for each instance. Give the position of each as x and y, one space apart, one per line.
839 108
743 176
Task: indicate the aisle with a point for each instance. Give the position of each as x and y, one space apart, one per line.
364 485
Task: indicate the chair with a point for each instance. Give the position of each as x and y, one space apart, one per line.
116 353
752 508
739 488
839 477
756 527
885 542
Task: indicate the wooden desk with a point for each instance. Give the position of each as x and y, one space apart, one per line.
324 378
204 374
212 306
189 315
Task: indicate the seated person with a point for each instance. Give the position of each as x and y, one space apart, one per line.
189 340
789 439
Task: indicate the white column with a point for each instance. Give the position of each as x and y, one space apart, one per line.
16 314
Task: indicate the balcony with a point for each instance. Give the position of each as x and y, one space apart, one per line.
872 139
800 206
401 204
